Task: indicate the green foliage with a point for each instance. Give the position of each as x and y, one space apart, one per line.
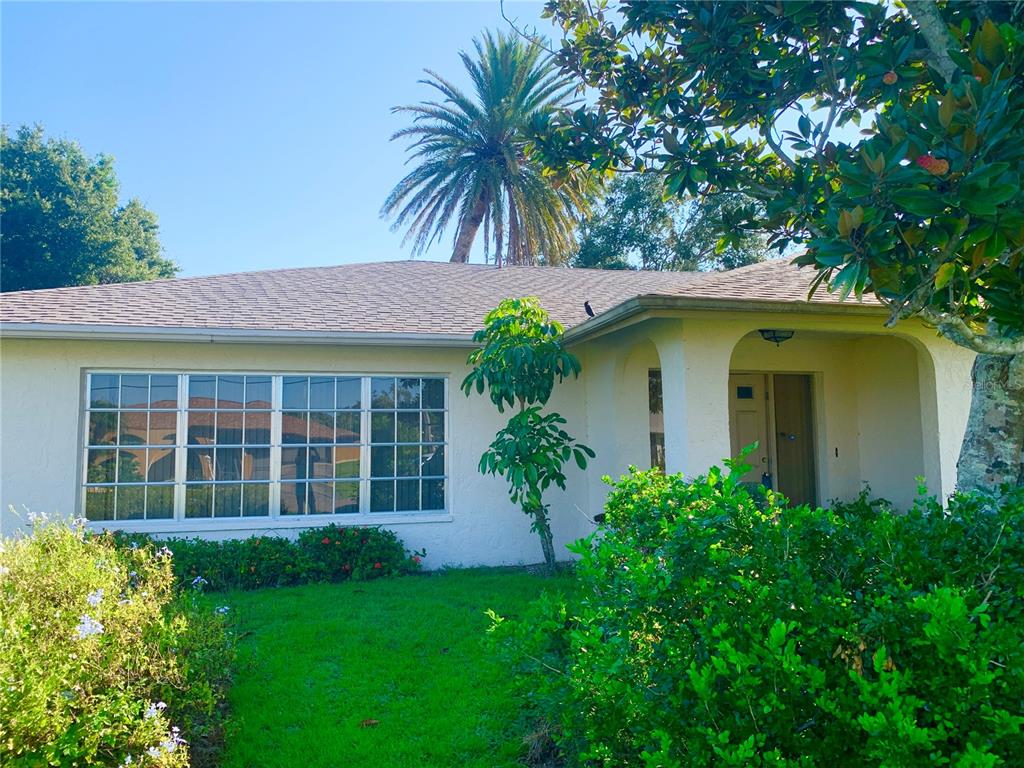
713 628
639 226
328 553
762 99
472 165
101 659
521 355
520 358
530 452
62 221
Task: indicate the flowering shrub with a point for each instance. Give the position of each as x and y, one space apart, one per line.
102 662
330 553
710 628
337 553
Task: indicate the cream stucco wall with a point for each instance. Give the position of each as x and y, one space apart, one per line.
891 405
40 402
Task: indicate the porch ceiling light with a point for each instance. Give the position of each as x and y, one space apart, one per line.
775 335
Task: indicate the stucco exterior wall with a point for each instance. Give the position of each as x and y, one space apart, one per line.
889 406
40 441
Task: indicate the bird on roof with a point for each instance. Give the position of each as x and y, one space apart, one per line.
588 308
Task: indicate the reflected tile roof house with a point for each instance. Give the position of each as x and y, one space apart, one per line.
276 400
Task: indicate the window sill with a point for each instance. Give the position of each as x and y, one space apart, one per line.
191 527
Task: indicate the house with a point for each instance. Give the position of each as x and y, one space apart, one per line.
265 402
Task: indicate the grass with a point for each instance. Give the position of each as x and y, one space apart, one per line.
393 672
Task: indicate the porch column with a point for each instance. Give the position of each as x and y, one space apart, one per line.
695 358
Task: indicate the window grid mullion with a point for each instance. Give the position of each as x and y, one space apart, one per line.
277 398
180 449
364 448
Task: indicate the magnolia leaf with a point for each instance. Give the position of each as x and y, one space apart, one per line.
671 143
947 108
845 224
919 202
990 43
943 275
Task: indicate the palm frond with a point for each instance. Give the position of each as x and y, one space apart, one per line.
471 145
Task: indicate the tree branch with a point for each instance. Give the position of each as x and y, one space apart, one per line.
959 332
776 147
935 34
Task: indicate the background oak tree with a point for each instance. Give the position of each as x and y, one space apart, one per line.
638 226
62 223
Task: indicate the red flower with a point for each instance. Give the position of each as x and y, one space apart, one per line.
416 559
376 565
325 540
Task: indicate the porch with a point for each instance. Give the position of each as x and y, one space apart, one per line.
841 405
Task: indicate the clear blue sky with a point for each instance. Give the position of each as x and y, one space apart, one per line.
257 132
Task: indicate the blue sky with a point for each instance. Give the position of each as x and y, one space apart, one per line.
257 132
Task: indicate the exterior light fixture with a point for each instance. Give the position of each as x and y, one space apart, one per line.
775 335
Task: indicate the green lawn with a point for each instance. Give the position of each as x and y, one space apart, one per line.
317 662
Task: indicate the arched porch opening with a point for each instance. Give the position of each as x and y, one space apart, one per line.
833 413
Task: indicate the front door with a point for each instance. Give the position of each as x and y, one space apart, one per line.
794 437
748 421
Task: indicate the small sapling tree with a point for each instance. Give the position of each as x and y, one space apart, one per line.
520 358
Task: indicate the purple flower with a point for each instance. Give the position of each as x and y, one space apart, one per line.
87 627
94 598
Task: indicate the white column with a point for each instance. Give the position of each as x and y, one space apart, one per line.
668 338
695 357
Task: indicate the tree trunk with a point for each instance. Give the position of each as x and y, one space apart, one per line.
993 449
468 228
546 541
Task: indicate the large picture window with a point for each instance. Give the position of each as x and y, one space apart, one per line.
194 446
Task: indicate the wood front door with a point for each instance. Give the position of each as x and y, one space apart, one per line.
794 437
748 421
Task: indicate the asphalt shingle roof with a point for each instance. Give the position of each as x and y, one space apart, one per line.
420 297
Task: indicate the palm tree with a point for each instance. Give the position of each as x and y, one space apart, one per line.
473 166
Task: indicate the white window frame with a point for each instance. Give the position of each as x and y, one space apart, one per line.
180 524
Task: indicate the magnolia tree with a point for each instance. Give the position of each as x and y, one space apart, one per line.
518 362
923 207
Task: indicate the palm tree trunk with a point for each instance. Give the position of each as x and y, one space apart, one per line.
468 228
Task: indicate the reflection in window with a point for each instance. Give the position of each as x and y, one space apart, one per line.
320 445
227 458
407 441
131 430
657 418
259 445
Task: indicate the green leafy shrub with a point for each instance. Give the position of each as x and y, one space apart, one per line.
710 628
328 553
102 661
336 553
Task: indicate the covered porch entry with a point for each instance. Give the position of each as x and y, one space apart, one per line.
841 406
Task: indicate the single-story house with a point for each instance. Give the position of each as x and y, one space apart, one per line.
265 402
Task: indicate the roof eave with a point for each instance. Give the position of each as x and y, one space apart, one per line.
648 303
93 332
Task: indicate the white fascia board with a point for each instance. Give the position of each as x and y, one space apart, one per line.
228 335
